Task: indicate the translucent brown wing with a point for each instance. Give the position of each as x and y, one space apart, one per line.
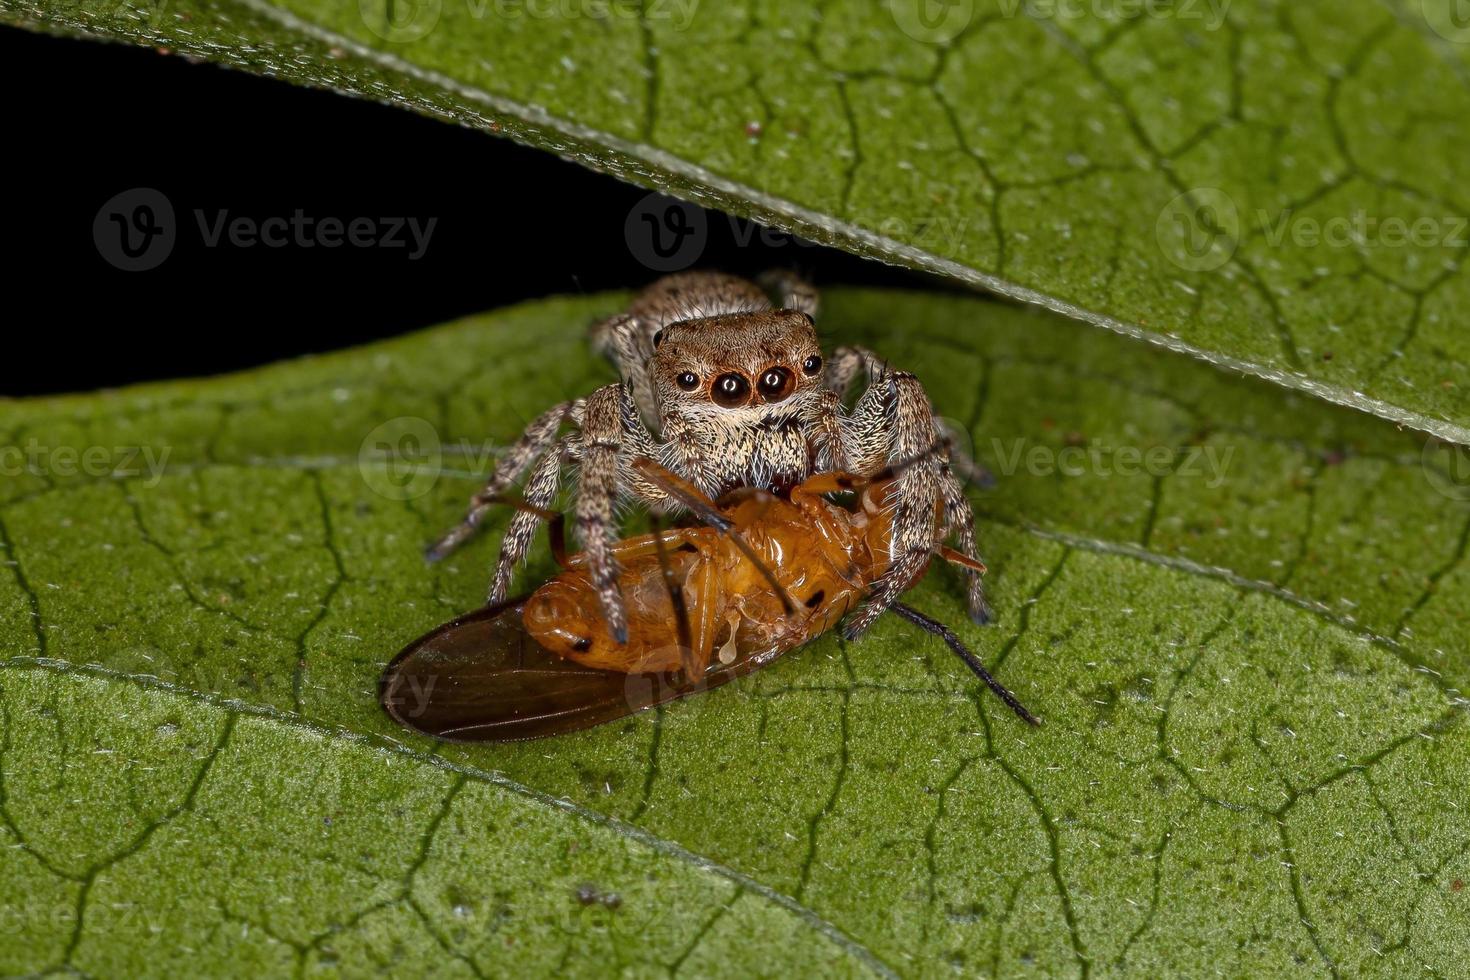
482 678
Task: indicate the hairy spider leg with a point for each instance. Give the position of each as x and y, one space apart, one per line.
556 526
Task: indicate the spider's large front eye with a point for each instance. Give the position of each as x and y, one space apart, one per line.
730 390
775 384
688 381
811 365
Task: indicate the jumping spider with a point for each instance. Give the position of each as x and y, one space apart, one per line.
728 391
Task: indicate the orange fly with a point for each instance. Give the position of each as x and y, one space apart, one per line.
763 575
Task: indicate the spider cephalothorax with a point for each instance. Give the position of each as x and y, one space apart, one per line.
727 390
735 395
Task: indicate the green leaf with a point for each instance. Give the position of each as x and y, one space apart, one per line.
1241 613
1267 185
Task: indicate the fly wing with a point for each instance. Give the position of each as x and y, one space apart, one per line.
482 678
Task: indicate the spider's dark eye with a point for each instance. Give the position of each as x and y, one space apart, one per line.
811 365
730 390
688 381
658 338
775 384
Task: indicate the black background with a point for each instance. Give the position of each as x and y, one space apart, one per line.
87 121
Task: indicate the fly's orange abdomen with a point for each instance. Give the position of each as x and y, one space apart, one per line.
564 616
